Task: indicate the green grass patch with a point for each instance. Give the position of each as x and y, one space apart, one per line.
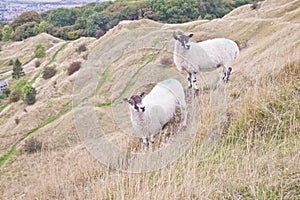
19 84
2 106
6 156
148 59
103 80
106 104
53 59
48 121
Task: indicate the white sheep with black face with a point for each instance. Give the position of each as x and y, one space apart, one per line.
150 114
203 56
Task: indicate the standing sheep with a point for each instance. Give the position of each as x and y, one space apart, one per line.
203 56
150 114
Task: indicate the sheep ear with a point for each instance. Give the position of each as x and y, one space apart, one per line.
175 35
142 94
191 35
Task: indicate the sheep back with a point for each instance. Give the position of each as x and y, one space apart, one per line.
160 105
220 51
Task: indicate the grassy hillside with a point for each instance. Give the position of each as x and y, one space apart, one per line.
242 140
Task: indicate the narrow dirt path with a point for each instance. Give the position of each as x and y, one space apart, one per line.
30 63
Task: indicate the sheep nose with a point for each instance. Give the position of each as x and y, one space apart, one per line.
143 109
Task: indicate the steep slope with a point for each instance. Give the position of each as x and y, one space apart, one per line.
127 60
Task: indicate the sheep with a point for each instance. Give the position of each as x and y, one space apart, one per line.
150 114
203 56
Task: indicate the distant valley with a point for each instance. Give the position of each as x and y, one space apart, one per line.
9 10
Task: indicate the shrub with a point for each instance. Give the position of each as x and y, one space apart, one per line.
166 61
11 62
99 33
85 56
6 91
2 96
17 121
24 31
29 93
7 31
32 145
254 5
29 98
39 51
49 72
75 66
81 48
37 63
15 96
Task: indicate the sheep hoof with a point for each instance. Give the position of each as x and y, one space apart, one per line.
226 79
146 143
152 139
183 128
226 75
196 93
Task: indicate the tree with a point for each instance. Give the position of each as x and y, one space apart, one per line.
63 17
80 23
6 33
175 11
2 24
99 33
25 17
131 12
210 9
88 12
98 21
17 69
102 6
41 28
24 31
39 51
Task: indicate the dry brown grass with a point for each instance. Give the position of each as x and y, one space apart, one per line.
261 166
252 154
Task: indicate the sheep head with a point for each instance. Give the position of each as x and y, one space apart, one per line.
136 103
183 39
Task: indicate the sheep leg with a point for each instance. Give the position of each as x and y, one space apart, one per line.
226 73
195 84
152 138
145 141
189 77
184 112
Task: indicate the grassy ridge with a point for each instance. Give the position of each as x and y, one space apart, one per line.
256 158
12 151
53 58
